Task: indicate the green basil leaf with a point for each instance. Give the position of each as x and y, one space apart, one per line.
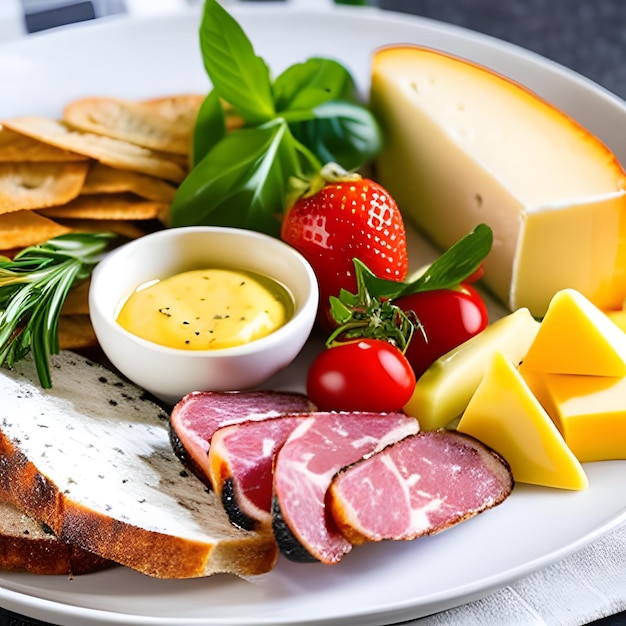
242 181
447 272
210 127
342 132
456 263
238 75
304 86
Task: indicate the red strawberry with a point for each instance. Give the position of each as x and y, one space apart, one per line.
347 219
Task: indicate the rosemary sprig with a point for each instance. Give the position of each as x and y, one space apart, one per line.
33 288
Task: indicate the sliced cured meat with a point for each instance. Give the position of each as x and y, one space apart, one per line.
241 461
196 417
305 465
418 486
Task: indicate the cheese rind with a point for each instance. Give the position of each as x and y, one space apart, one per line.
506 416
465 145
442 393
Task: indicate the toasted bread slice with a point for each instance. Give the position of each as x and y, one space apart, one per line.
91 459
28 546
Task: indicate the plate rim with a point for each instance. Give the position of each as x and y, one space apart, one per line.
113 22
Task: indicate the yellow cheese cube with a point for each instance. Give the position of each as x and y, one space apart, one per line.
506 416
575 337
444 389
589 411
464 145
618 318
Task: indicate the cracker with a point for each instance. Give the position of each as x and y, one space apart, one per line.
121 206
27 228
77 301
107 150
76 332
104 179
164 124
15 147
127 229
39 185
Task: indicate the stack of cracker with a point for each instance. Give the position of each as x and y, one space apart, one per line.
108 165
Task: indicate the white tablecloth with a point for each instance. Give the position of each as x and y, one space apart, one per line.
586 586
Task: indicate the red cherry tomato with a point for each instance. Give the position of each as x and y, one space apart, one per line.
448 316
363 375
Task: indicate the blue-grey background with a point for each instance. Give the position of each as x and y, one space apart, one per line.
588 36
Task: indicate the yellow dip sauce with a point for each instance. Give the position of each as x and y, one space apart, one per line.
207 309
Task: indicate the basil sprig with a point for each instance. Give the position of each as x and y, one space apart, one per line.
372 311
450 269
309 115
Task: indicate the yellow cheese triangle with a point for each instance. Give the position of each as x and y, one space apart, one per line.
506 416
576 337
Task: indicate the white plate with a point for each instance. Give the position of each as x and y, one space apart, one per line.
375 584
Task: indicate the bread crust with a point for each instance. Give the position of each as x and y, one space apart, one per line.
27 546
216 546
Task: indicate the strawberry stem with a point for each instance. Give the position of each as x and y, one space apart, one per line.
331 173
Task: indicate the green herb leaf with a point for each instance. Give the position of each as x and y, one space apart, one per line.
341 132
33 288
307 85
446 272
373 312
317 102
238 75
456 263
243 180
210 127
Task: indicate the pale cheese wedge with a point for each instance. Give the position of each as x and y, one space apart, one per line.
505 415
443 391
465 145
575 337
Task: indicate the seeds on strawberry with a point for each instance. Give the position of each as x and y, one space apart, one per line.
348 219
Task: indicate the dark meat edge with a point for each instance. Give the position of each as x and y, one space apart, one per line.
288 544
186 459
236 516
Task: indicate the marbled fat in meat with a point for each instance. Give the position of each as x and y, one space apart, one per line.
418 486
241 461
320 446
196 417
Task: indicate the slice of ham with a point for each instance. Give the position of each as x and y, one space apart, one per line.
418 486
241 461
304 468
196 417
